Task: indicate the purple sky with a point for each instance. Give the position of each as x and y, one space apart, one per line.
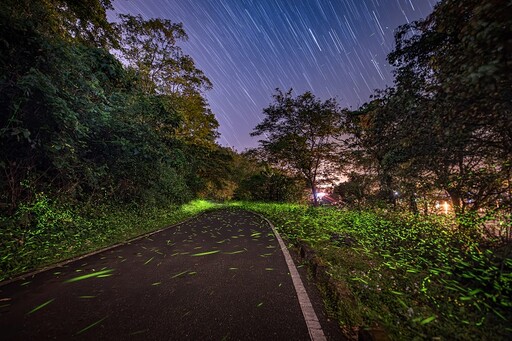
333 48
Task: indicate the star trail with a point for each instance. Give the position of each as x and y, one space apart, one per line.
248 48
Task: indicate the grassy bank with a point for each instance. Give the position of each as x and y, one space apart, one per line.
417 277
44 233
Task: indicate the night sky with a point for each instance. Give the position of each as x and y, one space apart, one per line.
247 48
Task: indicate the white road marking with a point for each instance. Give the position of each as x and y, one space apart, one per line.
315 329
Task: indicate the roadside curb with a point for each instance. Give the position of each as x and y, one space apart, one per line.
338 291
315 329
70 260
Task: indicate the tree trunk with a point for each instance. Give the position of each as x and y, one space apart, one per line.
313 191
412 204
456 201
386 192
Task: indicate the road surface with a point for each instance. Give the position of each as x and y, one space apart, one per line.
219 276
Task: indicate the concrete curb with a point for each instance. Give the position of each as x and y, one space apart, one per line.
67 261
315 329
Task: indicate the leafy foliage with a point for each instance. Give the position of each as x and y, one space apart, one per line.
414 276
446 123
150 47
270 185
80 126
91 148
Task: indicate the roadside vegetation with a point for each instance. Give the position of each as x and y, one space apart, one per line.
417 277
44 232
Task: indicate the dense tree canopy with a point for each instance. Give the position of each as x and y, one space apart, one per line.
150 48
100 112
93 111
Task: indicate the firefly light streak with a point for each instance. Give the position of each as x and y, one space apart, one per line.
333 48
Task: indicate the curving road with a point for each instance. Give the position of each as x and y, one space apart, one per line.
219 276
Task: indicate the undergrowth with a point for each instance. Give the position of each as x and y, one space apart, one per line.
418 277
43 232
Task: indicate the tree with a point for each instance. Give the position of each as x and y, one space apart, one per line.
456 65
55 91
151 48
271 185
81 21
198 123
300 134
356 190
374 135
257 180
212 169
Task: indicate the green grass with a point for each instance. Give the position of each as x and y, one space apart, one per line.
44 233
417 277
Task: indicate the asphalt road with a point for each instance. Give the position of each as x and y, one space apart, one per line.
220 276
